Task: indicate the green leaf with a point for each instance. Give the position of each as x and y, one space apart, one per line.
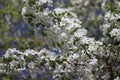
44 34
31 2
5 78
59 45
74 30
43 62
52 64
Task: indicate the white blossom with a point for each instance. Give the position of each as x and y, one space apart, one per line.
80 33
115 33
118 78
93 61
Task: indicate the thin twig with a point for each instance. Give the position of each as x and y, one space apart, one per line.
115 62
86 51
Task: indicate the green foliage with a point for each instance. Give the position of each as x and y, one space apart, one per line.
10 15
31 2
5 78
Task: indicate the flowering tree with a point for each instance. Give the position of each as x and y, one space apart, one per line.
71 53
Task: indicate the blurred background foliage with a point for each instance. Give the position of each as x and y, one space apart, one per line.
14 32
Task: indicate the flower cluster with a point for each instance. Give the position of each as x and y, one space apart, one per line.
71 53
115 33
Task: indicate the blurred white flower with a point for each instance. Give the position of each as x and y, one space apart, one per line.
118 78
23 12
93 61
115 33
80 33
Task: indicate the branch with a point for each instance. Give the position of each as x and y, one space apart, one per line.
85 51
115 62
